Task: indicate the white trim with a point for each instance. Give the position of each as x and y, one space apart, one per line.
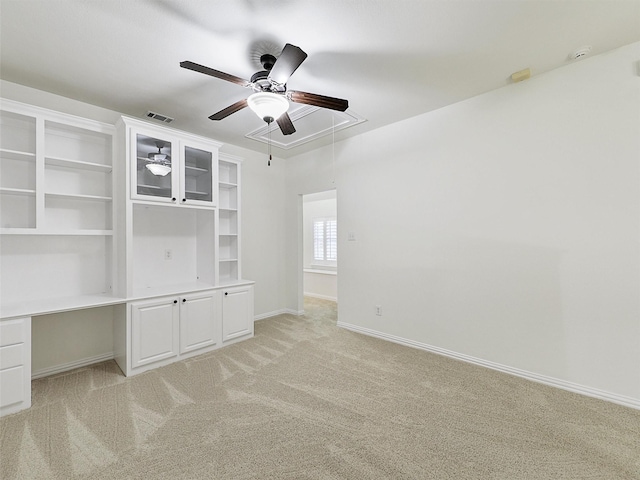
322 297
320 271
64 367
275 313
551 381
341 120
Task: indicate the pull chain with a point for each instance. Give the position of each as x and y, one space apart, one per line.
269 131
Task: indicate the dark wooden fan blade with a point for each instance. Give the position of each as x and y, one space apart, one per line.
285 124
224 113
319 100
287 63
215 73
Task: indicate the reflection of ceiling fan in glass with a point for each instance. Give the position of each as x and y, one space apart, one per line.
159 163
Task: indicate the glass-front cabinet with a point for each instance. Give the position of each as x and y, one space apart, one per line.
171 169
155 167
197 185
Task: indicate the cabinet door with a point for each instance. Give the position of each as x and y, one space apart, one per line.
155 166
199 165
199 321
154 330
237 312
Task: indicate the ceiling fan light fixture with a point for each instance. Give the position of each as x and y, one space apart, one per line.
268 106
158 169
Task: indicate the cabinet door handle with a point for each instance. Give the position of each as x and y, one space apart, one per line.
173 199
184 199
175 301
226 293
184 300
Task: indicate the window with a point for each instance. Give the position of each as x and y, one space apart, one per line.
325 240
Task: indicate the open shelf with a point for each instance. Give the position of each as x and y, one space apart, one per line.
17 209
227 173
6 154
67 233
17 134
78 164
75 196
17 171
228 271
78 146
17 191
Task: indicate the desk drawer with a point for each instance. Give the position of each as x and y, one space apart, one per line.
15 365
12 356
13 331
13 390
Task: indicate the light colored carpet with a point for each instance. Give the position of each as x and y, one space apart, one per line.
307 400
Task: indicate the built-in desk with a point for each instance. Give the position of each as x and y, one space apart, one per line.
198 317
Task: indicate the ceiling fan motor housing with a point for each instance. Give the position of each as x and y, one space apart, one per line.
267 61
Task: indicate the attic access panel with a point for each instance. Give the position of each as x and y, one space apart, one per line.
310 122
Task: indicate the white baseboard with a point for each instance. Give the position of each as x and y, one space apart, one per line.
275 313
64 367
322 297
551 381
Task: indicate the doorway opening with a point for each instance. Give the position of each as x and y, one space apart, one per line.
320 245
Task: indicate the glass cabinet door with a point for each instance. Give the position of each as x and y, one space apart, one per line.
198 175
155 168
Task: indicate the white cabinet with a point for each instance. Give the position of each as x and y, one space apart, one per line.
170 328
15 365
166 329
154 331
171 167
199 321
237 312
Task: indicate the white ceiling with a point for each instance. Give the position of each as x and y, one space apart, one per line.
392 59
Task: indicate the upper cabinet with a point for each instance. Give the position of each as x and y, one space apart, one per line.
171 167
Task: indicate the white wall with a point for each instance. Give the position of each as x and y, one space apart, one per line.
504 229
263 232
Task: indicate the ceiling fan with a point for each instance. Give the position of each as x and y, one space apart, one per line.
270 100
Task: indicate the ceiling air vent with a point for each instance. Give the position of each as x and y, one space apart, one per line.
159 117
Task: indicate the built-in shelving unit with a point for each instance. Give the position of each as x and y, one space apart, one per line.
17 171
179 225
80 231
56 207
229 218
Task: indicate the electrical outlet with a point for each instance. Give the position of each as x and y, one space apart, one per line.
378 310
168 255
